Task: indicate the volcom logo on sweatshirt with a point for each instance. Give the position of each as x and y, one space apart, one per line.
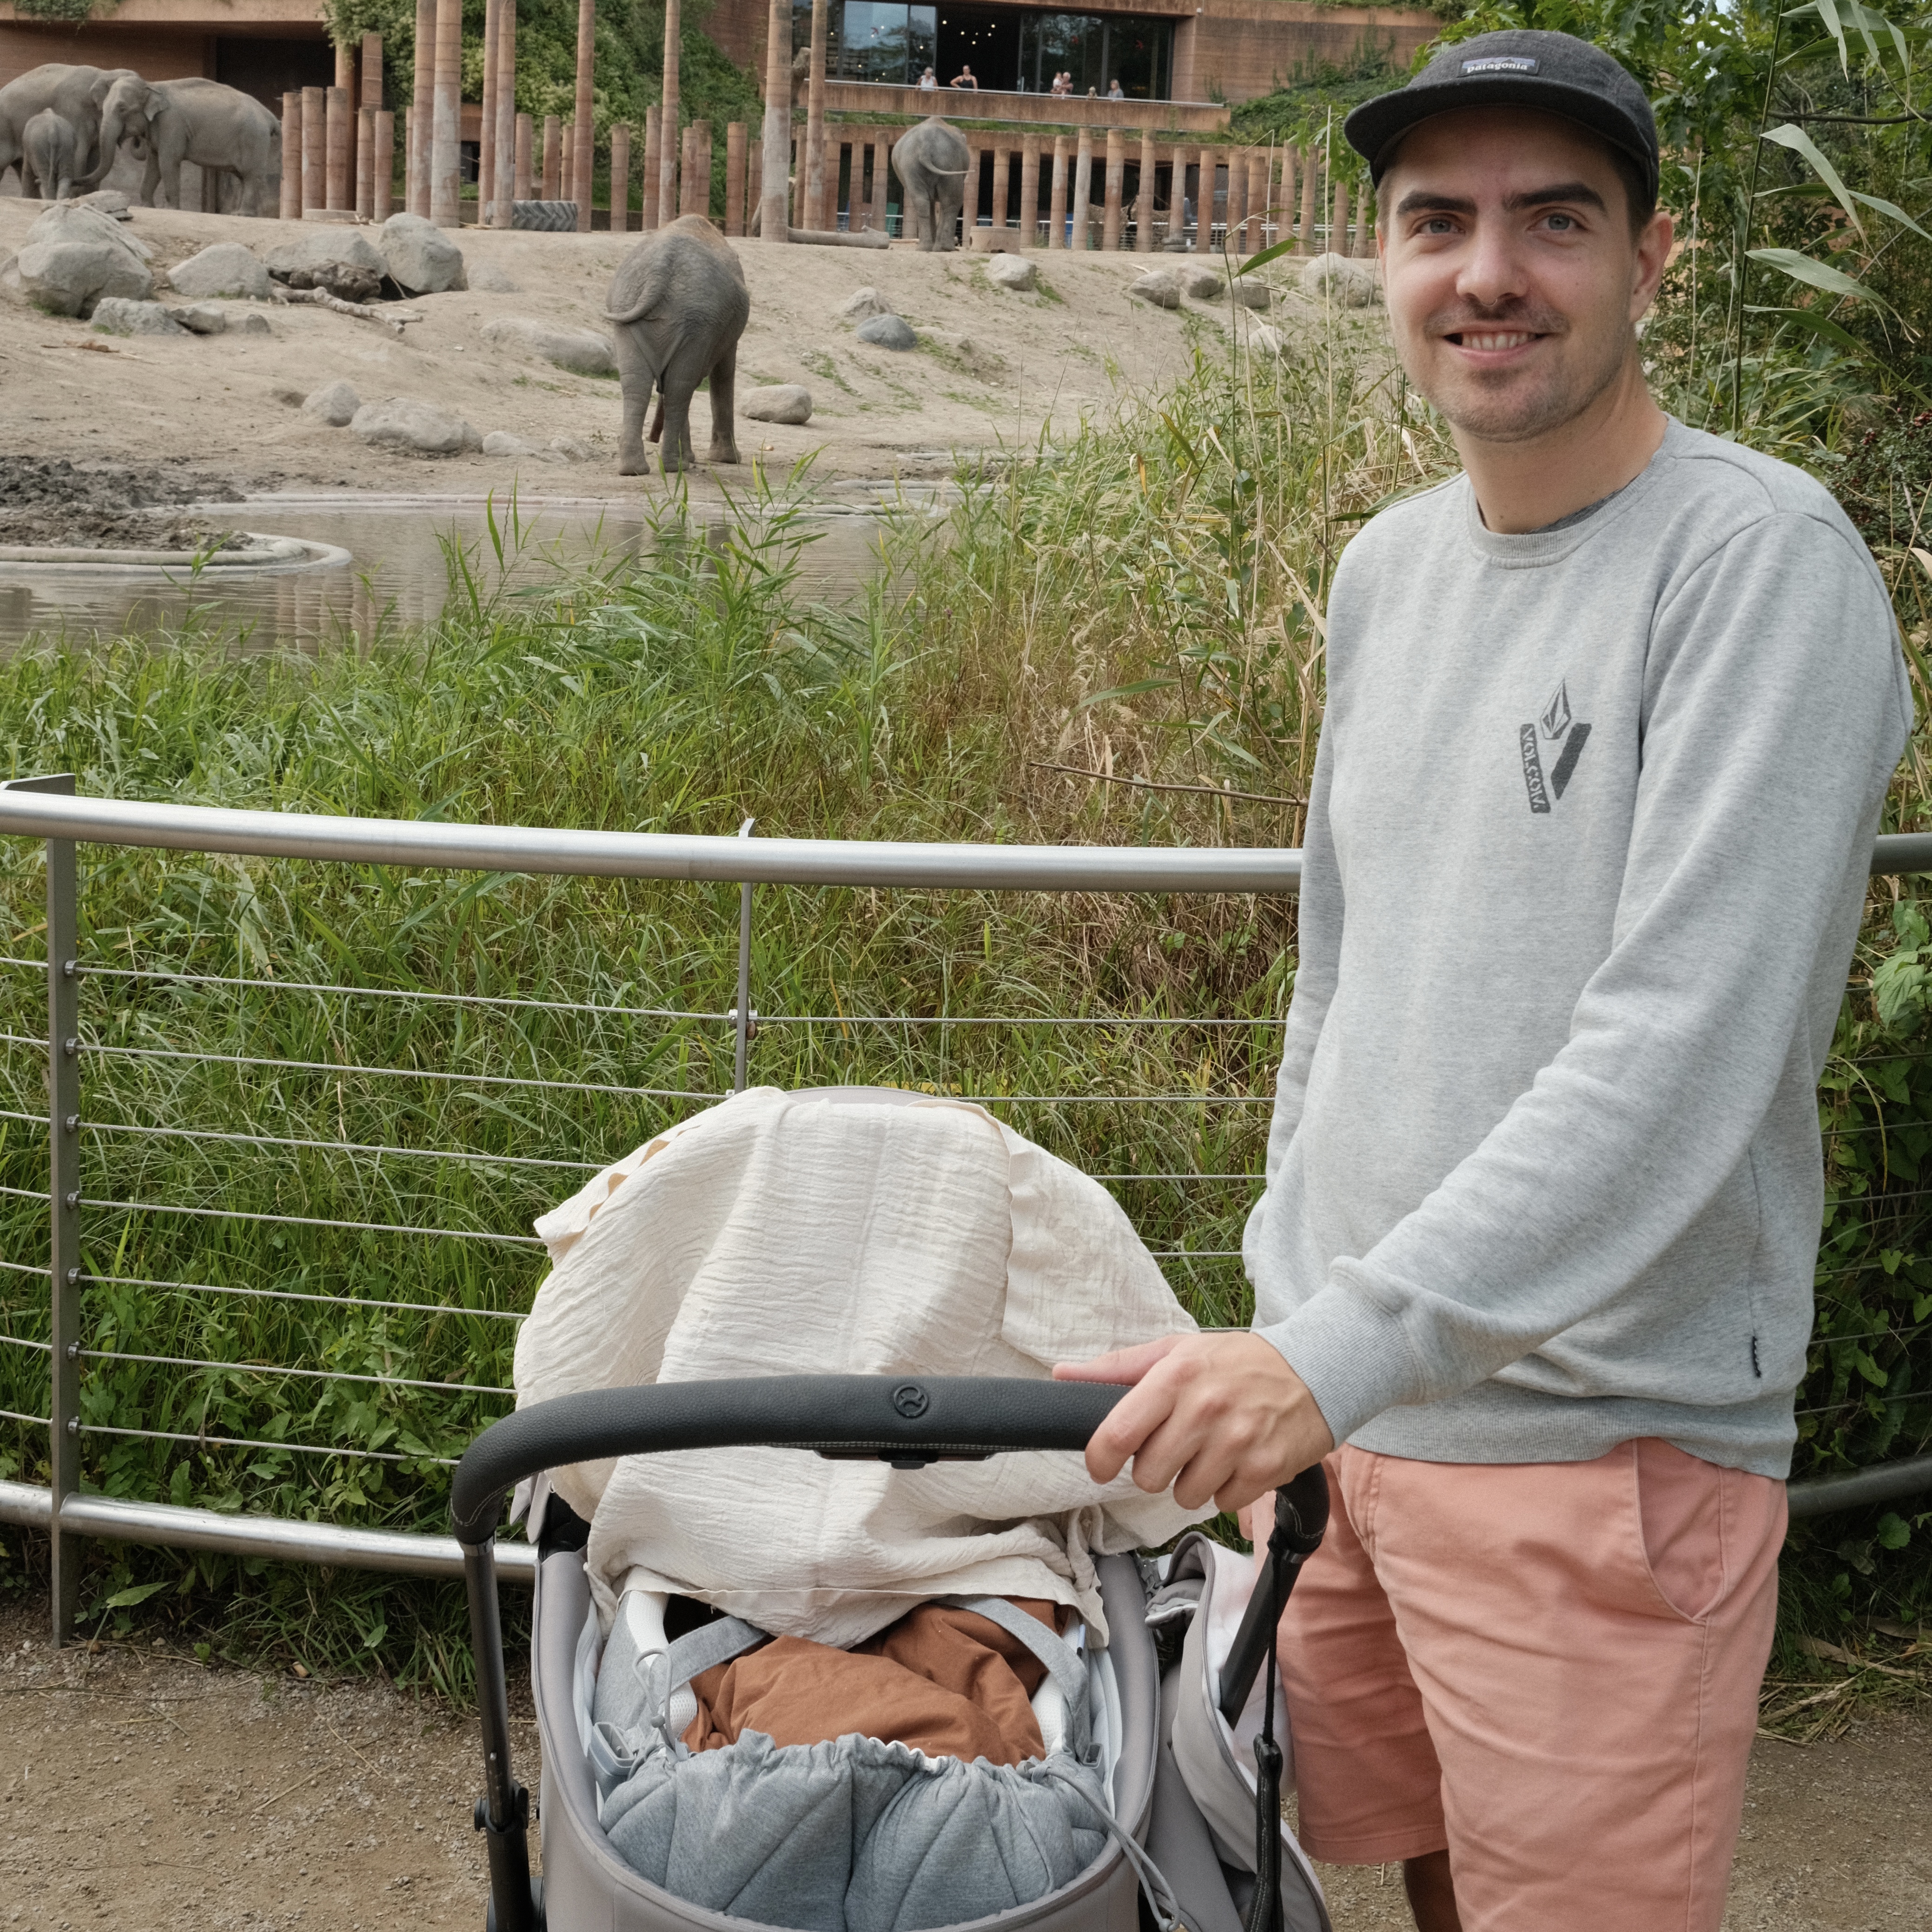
1555 726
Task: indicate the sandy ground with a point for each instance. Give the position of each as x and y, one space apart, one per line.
991 366
135 1781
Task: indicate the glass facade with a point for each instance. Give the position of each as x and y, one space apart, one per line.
1008 49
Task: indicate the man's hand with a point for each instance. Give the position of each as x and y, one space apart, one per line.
1216 1415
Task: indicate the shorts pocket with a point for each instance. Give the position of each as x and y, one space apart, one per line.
1684 1508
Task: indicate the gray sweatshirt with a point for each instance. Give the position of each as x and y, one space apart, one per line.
1587 847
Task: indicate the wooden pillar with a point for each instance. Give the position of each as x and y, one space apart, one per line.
1338 216
422 110
775 145
445 182
314 148
1311 181
345 68
486 159
372 71
503 188
647 189
1117 169
734 178
696 196
882 184
1056 206
1259 168
1204 200
1365 236
620 178
553 158
585 152
1003 176
812 160
1083 190
336 186
526 142
1143 223
365 162
1237 200
969 208
1030 191
668 115
567 163
754 172
292 155
384 167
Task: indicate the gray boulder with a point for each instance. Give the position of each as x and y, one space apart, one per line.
413 427
862 304
578 349
420 257
335 403
1251 292
323 247
492 280
777 402
559 449
888 331
1263 340
227 268
249 321
72 257
1160 287
1011 271
1341 278
108 201
1204 284
199 318
116 315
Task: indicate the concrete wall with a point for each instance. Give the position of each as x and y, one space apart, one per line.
1235 49
160 39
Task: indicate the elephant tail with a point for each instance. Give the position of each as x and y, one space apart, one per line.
655 279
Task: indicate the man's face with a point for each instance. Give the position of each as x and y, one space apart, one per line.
1513 279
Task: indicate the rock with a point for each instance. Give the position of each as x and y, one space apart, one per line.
862 304
1264 340
559 449
1342 278
227 268
283 393
492 280
1252 293
249 321
1011 271
1160 286
72 257
1203 284
200 318
334 404
777 402
421 257
572 448
888 331
342 280
323 247
109 201
413 427
579 349
116 315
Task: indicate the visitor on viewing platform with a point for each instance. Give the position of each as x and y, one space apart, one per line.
1611 717
927 83
1063 83
1114 93
964 78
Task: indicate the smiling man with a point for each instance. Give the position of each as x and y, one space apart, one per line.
1610 718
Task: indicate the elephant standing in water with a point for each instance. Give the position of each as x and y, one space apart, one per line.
75 94
219 129
680 303
931 161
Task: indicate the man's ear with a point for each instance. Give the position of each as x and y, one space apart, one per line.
1653 257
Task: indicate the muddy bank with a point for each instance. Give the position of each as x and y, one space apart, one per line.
123 506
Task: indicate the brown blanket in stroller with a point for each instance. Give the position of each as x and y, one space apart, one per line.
945 1681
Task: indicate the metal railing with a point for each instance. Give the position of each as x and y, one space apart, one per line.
84 1141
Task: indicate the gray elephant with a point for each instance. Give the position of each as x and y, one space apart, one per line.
75 94
931 161
680 304
49 147
219 129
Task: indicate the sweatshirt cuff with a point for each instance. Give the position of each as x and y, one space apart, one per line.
1352 1354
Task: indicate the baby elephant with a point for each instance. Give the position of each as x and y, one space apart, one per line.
680 304
48 148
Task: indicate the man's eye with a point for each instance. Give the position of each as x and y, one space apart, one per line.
1561 221
1437 224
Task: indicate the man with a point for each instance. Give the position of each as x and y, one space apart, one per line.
1610 718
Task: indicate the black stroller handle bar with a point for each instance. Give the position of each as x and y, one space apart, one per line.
907 1420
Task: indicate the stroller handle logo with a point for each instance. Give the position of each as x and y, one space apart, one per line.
911 1401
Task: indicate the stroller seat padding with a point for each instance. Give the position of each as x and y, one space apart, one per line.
856 1835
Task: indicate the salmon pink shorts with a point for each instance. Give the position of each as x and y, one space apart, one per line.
1550 1669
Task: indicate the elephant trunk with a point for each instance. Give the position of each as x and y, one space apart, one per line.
107 149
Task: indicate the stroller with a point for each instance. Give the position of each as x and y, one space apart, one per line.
1195 1838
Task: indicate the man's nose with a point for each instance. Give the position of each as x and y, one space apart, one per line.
1492 270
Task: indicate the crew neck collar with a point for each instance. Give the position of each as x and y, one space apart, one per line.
1526 549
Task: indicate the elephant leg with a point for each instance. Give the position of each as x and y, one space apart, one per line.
151 181
724 384
631 460
678 453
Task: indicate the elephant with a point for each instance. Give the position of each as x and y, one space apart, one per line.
48 149
680 303
931 161
219 129
75 94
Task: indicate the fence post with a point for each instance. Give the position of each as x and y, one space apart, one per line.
741 1014
64 1203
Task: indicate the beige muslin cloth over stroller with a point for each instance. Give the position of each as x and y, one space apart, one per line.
844 1231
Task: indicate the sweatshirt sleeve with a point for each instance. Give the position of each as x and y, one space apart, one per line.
1776 711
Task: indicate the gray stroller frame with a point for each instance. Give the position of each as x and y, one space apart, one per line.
909 1424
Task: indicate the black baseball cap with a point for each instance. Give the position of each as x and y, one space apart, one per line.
1520 67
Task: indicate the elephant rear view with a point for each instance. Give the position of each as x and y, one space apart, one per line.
931 161
49 150
74 93
679 304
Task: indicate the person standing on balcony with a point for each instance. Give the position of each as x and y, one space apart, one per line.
1113 92
964 78
927 83
1611 716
